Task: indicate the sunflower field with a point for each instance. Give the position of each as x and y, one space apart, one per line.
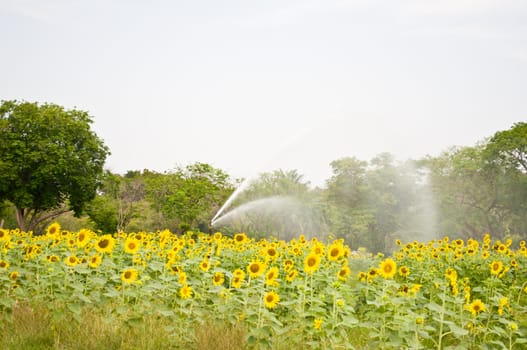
268 294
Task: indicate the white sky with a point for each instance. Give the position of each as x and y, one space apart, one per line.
252 86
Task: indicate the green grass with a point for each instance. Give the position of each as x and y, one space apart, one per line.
35 328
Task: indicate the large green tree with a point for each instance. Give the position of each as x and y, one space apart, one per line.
508 148
188 196
50 160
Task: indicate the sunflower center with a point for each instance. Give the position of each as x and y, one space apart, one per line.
104 243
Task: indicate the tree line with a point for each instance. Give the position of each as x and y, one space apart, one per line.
52 168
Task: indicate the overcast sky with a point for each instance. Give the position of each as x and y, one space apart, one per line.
251 86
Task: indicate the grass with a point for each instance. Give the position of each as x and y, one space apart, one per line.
34 328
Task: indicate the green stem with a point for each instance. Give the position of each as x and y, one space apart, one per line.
520 294
439 345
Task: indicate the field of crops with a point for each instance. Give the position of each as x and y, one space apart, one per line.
443 294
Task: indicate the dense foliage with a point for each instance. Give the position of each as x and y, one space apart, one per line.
463 192
50 160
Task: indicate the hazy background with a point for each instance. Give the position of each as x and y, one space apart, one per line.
250 86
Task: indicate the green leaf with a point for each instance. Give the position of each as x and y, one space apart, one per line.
166 313
457 331
74 308
434 307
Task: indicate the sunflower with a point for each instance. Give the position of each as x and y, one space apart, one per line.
514 263
132 245
237 281
496 267
288 264
95 261
83 237
475 307
4 264
471 251
335 251
373 273
343 273
53 230
271 253
291 275
217 236
317 323
129 276
52 258
218 278
4 235
504 301
182 277
404 271
105 244
13 275
71 260
296 251
239 273
362 276
270 277
255 269
185 291
416 288
318 248
388 268
204 265
240 238
451 274
311 263
271 299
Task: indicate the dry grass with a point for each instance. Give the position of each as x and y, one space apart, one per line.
213 335
36 328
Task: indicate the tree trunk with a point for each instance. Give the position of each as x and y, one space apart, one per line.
20 219
37 217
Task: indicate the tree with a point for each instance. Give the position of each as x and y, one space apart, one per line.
509 148
188 196
50 160
506 155
471 197
348 209
277 203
